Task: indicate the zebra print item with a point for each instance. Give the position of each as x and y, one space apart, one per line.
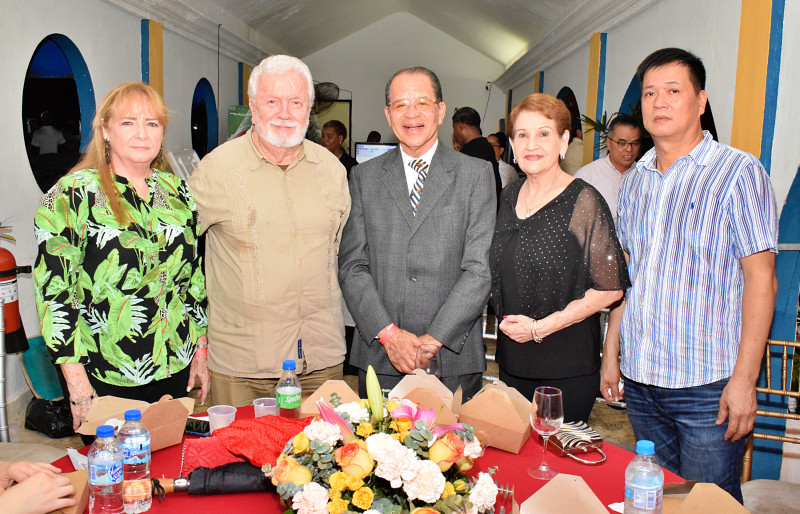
578 437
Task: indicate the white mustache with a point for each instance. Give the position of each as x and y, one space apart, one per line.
288 124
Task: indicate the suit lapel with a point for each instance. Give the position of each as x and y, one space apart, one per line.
394 178
440 176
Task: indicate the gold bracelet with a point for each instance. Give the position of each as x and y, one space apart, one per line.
84 402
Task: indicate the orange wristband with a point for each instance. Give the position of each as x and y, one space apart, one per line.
390 330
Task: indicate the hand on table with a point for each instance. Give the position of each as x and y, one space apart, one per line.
40 493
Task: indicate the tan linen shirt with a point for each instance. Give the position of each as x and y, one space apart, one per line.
272 258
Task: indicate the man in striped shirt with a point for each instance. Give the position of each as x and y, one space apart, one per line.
698 223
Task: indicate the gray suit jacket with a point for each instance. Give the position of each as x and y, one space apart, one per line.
427 273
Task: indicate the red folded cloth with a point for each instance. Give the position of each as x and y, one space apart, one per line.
258 441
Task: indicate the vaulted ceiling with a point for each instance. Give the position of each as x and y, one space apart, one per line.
519 34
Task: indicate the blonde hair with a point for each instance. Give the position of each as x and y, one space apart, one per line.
110 107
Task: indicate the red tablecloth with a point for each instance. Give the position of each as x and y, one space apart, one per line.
607 480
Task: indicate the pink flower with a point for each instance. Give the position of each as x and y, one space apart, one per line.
427 484
313 499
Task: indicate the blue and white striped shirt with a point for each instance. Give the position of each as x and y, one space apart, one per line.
685 232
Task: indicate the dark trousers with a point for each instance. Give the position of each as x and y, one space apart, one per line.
470 384
578 393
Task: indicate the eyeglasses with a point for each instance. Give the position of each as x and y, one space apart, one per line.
627 144
422 103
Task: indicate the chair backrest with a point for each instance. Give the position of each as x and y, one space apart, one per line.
783 392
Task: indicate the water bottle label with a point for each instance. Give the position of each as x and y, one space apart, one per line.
643 497
288 401
136 454
105 474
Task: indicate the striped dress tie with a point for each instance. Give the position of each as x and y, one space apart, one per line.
421 167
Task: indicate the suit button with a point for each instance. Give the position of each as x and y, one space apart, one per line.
413 279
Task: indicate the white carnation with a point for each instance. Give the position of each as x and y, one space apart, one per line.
312 499
484 493
473 449
427 484
395 462
356 413
323 431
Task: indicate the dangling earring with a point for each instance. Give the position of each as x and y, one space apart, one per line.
108 152
514 159
160 156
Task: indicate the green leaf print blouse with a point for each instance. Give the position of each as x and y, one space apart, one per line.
127 302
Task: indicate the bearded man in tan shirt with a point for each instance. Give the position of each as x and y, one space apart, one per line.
274 206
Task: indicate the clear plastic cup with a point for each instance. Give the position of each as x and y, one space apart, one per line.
265 407
220 416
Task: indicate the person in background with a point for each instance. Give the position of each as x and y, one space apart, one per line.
374 137
38 488
273 205
605 174
698 222
414 258
119 282
573 157
333 134
555 263
468 136
47 138
508 173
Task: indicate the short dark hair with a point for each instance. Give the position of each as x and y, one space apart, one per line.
467 116
502 138
374 137
437 86
337 126
697 72
624 119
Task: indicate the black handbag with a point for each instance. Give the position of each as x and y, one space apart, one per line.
577 438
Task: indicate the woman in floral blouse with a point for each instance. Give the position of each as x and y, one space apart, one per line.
119 284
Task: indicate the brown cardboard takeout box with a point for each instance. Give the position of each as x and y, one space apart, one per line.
501 415
430 393
703 498
165 419
565 494
340 387
80 481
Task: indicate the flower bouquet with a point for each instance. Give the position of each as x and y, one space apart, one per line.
381 457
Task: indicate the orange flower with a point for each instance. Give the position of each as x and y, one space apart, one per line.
424 510
446 450
354 459
289 470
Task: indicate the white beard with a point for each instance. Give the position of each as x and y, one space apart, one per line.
290 141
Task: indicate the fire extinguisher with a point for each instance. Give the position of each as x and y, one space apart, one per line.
15 333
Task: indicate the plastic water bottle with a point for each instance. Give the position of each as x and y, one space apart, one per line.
135 441
288 391
105 473
644 481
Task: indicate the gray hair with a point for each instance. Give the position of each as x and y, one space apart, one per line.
275 64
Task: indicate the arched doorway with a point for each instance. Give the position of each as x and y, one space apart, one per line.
567 96
204 118
57 108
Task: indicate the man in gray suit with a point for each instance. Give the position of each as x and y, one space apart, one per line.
414 257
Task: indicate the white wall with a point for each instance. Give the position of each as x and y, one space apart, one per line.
365 60
110 42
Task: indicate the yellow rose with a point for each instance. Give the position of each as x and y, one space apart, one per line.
400 425
392 405
289 470
300 443
449 490
464 464
337 506
424 510
365 430
459 485
364 404
446 450
333 494
354 459
354 483
363 498
338 481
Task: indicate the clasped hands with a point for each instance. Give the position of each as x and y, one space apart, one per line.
518 328
401 349
39 488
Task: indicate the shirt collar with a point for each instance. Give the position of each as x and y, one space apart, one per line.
427 156
701 154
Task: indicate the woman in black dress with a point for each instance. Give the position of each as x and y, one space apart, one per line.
555 263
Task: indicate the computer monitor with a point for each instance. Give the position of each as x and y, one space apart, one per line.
366 151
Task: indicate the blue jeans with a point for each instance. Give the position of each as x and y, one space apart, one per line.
682 424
